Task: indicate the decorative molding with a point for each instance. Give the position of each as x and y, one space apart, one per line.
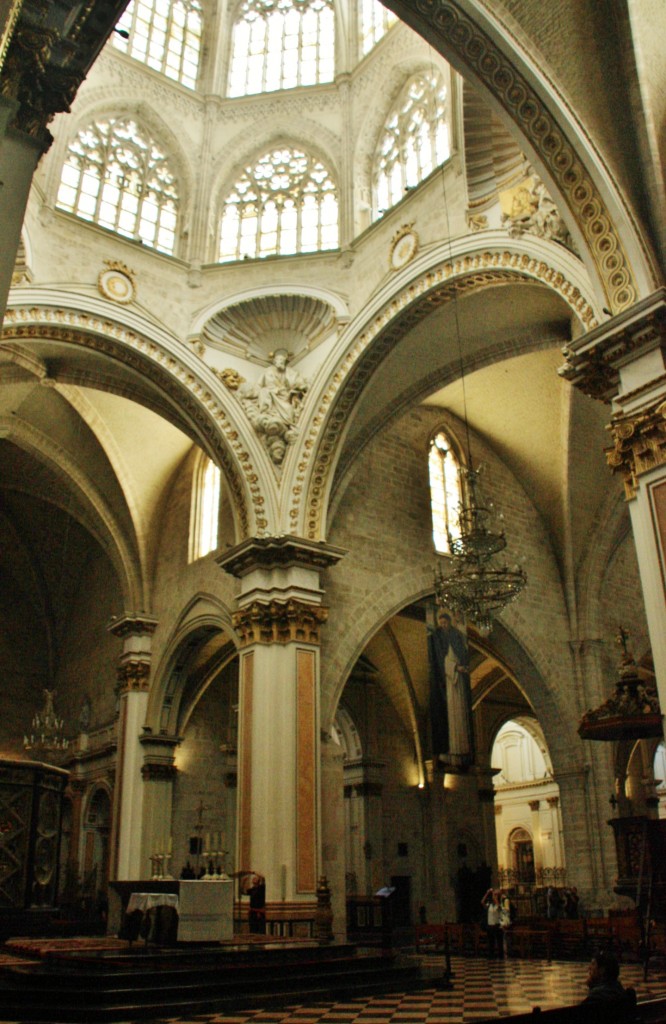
534 805
593 361
416 301
132 625
639 444
280 622
171 375
274 552
482 56
404 247
117 283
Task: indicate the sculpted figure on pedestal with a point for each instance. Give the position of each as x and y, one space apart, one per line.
273 404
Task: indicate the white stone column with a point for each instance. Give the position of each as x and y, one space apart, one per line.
623 362
133 683
279 807
158 773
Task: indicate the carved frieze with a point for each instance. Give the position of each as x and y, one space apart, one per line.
639 445
279 622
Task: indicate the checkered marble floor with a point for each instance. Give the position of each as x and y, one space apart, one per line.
481 989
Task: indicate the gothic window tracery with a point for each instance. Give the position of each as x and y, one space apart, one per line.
116 176
165 35
376 20
445 490
281 44
205 512
415 139
286 202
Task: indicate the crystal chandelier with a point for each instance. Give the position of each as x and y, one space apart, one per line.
47 730
477 587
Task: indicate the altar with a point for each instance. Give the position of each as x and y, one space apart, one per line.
204 906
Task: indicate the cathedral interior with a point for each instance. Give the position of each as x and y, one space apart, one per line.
278 278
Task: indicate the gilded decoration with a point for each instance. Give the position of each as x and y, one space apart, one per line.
528 209
478 52
279 622
151 360
416 302
477 221
117 282
639 445
404 247
133 675
230 378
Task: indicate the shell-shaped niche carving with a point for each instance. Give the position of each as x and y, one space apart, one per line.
260 325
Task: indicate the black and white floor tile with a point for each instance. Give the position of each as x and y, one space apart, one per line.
481 989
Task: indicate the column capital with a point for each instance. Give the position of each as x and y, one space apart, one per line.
639 443
49 52
553 801
534 805
133 675
279 622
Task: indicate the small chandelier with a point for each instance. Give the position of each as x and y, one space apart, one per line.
47 730
477 588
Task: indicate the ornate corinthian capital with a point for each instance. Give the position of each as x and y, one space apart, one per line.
639 444
279 622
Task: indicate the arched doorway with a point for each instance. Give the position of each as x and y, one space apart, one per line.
95 860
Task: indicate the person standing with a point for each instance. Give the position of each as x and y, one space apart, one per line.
492 904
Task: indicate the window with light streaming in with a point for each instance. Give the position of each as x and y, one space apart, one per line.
280 44
445 491
205 514
376 20
165 35
116 176
284 203
415 139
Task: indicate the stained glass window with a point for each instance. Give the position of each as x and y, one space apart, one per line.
280 44
117 176
376 20
445 491
415 139
165 35
284 203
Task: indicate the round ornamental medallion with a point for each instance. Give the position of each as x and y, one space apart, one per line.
116 285
403 248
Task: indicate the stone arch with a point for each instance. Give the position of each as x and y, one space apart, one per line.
475 42
438 277
188 390
202 644
90 508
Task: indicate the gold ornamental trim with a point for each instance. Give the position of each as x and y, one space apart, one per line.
279 622
133 676
639 445
482 56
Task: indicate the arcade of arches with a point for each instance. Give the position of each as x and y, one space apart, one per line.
238 307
